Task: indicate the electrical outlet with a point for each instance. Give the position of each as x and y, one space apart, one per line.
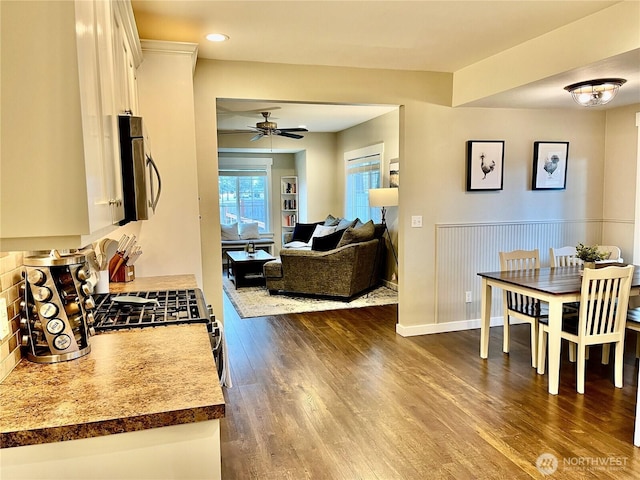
467 297
416 221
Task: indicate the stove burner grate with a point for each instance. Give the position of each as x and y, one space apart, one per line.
172 307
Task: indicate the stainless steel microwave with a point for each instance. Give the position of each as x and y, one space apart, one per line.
141 183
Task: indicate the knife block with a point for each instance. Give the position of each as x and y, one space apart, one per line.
125 273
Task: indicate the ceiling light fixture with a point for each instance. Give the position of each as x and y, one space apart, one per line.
595 92
217 37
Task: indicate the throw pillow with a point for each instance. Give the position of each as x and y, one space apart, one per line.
320 231
249 231
303 231
357 234
343 224
330 221
229 232
328 242
296 244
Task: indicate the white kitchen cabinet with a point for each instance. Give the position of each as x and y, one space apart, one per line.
128 55
60 160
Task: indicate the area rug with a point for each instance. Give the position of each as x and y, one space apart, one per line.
256 302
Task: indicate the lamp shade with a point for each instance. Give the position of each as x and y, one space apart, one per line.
383 197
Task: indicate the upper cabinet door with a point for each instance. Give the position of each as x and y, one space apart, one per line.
61 180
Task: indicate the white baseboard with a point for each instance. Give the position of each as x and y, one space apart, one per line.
430 328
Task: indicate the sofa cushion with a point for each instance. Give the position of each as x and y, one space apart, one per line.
345 223
363 233
249 231
331 221
320 231
273 269
229 232
303 231
327 242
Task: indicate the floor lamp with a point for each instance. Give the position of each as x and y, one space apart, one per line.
384 197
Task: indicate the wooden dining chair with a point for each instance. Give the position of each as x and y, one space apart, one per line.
633 323
563 257
612 252
604 301
520 306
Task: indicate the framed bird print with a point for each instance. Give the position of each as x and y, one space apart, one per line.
550 165
485 162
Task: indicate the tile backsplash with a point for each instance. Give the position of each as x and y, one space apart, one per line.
11 267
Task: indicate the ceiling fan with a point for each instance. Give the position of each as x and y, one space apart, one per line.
267 129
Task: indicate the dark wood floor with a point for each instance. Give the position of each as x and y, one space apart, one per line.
338 395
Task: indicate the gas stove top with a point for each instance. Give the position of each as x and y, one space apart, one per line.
150 309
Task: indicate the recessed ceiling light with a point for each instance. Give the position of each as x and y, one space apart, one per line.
217 37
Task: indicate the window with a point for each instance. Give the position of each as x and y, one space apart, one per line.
243 191
362 173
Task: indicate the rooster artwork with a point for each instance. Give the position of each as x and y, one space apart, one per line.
488 168
551 164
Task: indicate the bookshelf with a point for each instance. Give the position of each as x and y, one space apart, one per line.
288 203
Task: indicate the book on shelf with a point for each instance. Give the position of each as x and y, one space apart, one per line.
289 204
289 220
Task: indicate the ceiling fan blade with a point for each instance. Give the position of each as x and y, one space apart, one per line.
293 129
288 135
230 132
257 137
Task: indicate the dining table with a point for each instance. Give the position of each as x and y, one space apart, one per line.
555 286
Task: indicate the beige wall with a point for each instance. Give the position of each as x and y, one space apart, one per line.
171 238
620 179
432 152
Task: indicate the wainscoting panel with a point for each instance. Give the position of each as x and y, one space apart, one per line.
463 250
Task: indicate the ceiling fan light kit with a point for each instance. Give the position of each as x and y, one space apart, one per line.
595 92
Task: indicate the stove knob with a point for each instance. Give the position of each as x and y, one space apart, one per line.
86 288
92 331
82 274
91 319
26 339
42 294
24 324
48 310
36 276
89 303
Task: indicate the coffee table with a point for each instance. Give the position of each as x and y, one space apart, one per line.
246 269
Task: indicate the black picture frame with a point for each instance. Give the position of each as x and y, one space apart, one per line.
485 165
550 161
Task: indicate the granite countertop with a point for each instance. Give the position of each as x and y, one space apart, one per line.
131 380
168 282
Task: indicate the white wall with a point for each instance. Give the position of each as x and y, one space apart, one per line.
170 239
